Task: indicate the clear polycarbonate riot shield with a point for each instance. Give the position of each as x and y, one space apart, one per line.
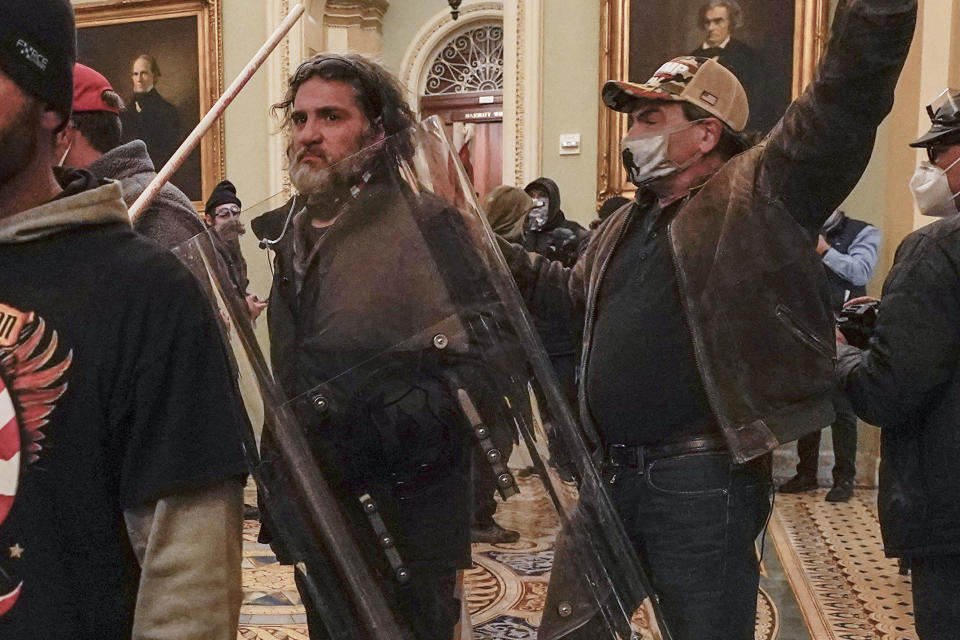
408 405
306 515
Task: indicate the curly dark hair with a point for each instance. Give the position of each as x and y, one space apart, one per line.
378 95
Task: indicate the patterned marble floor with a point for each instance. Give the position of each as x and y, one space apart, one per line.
824 577
832 555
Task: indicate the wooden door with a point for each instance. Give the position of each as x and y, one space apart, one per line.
474 123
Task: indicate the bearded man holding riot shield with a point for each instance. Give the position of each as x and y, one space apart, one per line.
401 357
386 429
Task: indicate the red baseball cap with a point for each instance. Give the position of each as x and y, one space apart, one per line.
88 89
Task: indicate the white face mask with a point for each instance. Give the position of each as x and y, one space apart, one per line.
645 158
931 190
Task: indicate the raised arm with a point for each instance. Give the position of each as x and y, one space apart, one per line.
819 150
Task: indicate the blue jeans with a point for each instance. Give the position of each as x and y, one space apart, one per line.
694 520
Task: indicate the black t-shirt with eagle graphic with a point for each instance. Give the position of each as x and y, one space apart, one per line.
116 390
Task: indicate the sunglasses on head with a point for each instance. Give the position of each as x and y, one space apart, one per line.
945 108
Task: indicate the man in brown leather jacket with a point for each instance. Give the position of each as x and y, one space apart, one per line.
709 338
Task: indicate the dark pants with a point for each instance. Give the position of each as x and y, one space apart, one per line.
566 368
425 605
694 520
936 596
844 445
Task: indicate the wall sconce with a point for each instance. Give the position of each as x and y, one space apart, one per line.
454 8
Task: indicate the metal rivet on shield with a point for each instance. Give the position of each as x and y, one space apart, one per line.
386 542
482 433
369 507
564 609
493 456
403 575
505 480
440 341
320 404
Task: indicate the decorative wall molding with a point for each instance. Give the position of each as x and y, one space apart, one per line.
354 25
365 14
471 61
523 64
416 60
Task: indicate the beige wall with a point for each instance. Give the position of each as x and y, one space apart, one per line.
247 121
570 101
401 23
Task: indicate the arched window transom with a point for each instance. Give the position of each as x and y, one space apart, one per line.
471 61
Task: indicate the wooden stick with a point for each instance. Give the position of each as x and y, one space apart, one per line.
163 176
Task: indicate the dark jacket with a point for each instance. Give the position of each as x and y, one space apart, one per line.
908 384
335 328
559 239
562 240
226 240
754 291
170 219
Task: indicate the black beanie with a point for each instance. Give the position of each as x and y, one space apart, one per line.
38 46
223 193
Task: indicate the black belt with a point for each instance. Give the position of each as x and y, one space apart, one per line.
628 455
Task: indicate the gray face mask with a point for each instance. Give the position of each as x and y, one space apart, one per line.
645 156
537 217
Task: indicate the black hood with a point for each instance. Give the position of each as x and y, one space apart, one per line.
74 181
555 215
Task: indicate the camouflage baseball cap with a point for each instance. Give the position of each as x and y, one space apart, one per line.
703 82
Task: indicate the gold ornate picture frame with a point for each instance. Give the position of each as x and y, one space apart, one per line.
811 24
185 38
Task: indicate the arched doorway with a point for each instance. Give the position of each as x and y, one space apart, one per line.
463 85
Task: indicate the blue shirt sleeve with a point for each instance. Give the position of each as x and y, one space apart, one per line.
856 266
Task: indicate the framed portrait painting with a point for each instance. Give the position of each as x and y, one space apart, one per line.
164 59
772 46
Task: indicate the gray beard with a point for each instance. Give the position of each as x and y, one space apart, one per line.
307 180
336 179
